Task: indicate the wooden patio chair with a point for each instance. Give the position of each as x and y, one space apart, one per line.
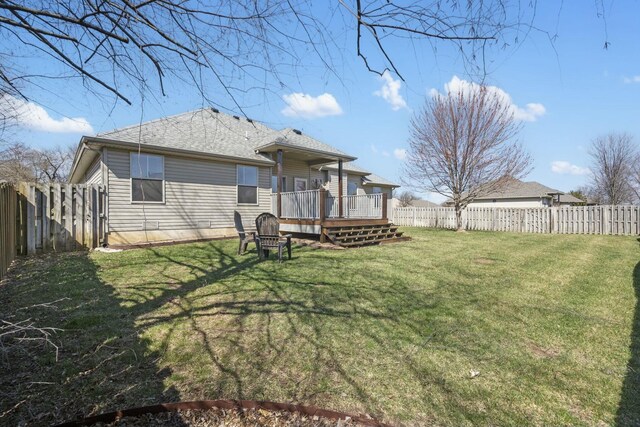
268 236
246 237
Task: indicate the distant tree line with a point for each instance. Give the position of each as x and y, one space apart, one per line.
18 162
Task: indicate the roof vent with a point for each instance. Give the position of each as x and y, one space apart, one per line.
215 110
236 117
296 131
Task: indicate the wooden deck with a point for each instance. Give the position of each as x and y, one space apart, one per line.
345 231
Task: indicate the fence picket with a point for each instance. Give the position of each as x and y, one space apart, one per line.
614 220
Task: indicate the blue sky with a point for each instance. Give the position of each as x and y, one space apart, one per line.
584 91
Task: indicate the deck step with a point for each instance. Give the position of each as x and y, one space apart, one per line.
363 235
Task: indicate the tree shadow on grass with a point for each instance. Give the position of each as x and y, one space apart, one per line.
199 322
232 327
629 408
102 364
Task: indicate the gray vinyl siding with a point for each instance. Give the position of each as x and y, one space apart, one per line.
333 183
198 194
94 172
297 169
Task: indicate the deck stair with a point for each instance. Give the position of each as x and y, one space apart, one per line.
363 235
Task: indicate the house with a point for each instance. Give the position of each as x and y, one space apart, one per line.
521 194
182 177
420 203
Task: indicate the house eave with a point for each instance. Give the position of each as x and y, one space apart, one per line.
279 144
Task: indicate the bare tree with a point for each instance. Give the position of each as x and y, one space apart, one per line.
462 146
405 198
16 163
19 162
53 164
232 47
613 164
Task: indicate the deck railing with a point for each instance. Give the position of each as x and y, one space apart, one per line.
298 204
306 205
362 206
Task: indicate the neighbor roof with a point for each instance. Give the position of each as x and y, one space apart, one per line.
419 203
568 198
517 189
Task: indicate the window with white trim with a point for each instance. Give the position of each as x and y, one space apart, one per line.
274 183
147 178
247 180
300 184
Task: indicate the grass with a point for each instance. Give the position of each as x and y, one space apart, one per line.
550 322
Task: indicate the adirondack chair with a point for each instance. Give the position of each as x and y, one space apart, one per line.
245 237
268 236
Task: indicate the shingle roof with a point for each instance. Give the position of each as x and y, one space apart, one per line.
373 179
348 167
202 130
217 133
517 189
568 198
419 203
291 137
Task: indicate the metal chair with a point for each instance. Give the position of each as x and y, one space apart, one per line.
268 236
245 237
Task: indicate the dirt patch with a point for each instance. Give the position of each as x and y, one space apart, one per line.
484 261
227 418
541 352
316 244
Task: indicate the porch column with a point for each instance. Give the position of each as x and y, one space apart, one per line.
384 207
340 188
279 183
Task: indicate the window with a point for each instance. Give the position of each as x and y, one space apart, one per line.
147 178
325 176
300 184
352 188
274 183
376 190
247 185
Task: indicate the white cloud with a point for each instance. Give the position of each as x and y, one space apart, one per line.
32 116
390 91
562 167
386 153
530 113
400 153
309 107
632 79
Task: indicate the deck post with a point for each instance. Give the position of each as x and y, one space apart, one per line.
322 215
279 183
384 206
340 211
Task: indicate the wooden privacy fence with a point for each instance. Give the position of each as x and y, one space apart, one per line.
608 219
8 210
60 217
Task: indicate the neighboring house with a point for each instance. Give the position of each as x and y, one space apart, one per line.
419 203
521 194
182 177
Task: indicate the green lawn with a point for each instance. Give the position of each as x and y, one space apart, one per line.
550 322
